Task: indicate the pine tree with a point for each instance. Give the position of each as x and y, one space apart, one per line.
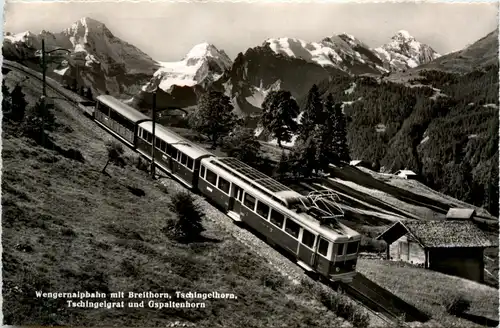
243 145
312 113
214 116
306 156
334 135
190 215
19 103
279 111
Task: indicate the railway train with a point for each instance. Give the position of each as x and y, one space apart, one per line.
283 216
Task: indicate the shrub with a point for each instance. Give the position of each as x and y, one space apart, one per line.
273 280
141 164
115 154
456 304
188 226
343 307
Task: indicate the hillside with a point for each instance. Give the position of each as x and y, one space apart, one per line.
443 126
479 55
434 289
72 228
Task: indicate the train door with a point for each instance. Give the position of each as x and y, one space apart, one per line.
235 200
321 262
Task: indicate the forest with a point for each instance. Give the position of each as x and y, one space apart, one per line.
443 126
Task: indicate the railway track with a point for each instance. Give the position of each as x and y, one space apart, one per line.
357 296
371 296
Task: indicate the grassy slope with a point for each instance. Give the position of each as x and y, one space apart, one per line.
427 289
66 228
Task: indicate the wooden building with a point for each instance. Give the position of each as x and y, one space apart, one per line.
448 246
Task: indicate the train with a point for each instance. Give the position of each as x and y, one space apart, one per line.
305 227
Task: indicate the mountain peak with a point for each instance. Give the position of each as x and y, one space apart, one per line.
403 36
202 50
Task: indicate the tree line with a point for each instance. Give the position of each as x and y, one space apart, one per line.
320 132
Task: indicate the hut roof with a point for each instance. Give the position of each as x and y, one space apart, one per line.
460 213
406 172
433 234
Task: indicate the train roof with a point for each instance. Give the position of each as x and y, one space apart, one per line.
184 145
257 179
332 233
127 111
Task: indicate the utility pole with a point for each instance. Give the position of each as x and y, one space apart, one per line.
154 137
44 85
44 94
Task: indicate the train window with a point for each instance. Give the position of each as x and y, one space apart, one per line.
139 131
184 159
190 163
249 201
144 134
223 185
104 109
211 177
323 247
340 249
163 146
352 248
114 116
150 138
292 228
202 171
308 238
277 218
262 209
157 143
172 151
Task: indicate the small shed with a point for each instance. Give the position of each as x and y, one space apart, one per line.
451 247
407 174
460 214
360 162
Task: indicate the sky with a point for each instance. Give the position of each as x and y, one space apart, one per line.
168 30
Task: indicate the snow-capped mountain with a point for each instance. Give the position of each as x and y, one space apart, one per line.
403 52
342 51
98 59
180 83
203 65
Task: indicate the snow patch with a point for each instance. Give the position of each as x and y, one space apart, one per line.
309 51
380 128
291 143
424 140
259 94
19 37
61 71
351 89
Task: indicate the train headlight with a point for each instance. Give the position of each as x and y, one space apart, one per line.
337 269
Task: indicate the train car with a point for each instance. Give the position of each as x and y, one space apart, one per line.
285 217
118 118
173 153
